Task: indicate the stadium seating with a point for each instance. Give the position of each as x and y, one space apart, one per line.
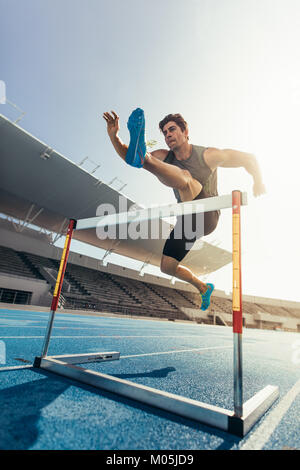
91 289
12 263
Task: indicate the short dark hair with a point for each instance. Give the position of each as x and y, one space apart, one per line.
176 118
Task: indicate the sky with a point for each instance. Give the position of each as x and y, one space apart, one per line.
230 67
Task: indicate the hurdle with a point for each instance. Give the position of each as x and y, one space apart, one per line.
245 415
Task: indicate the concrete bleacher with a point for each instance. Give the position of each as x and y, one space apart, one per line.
93 289
12 263
120 294
97 286
98 290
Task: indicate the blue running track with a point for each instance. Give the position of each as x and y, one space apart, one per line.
43 411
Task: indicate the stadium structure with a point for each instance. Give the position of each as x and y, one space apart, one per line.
39 195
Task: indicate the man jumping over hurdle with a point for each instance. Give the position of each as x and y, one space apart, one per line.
191 171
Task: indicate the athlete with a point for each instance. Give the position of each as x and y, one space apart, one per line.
191 171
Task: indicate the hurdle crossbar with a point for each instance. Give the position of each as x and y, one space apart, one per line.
245 415
168 210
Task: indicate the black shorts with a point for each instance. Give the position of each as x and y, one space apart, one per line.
190 228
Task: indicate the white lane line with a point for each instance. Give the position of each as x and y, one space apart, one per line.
105 336
3 369
259 438
176 351
28 325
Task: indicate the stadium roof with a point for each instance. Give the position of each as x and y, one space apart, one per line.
42 187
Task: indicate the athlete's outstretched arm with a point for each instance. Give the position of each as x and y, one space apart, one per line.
113 127
229 158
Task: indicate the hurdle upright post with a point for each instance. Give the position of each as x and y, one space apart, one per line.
237 309
58 285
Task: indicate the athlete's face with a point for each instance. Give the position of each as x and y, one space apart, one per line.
174 136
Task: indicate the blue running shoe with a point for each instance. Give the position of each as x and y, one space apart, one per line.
206 297
137 149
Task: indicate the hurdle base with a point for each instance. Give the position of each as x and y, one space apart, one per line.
80 358
195 410
253 410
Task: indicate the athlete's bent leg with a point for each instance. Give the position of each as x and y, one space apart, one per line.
173 177
172 267
177 247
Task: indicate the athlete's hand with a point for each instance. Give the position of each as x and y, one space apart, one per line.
258 188
112 121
